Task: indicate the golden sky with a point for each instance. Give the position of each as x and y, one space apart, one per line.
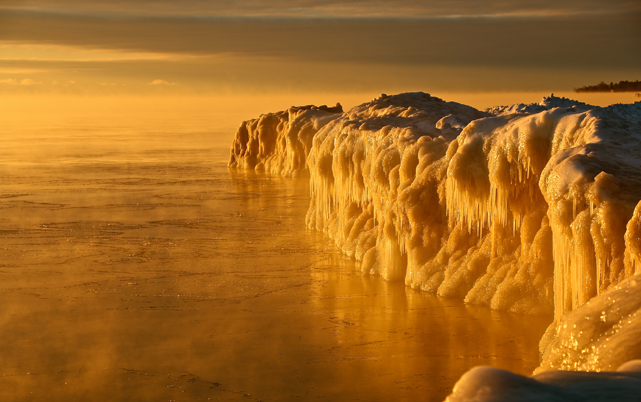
201 46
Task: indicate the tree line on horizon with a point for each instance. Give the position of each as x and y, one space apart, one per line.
621 86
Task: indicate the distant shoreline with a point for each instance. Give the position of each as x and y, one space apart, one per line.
621 86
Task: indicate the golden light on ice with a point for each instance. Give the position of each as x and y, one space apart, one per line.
370 250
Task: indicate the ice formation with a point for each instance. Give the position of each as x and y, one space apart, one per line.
280 142
524 208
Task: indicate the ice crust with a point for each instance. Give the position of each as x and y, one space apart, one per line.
526 208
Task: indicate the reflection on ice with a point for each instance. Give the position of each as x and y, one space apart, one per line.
137 275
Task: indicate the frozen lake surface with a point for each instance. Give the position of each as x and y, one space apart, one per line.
135 267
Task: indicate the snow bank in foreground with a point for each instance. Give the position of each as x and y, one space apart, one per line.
488 384
525 208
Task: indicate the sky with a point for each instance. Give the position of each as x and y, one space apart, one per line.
204 46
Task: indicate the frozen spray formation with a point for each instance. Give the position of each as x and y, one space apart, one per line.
526 208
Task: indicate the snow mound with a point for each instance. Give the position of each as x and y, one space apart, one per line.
630 112
488 384
548 102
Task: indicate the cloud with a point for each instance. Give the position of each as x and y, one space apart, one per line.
76 40
24 81
21 71
161 82
554 42
332 8
28 81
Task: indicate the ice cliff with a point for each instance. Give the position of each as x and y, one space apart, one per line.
526 208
